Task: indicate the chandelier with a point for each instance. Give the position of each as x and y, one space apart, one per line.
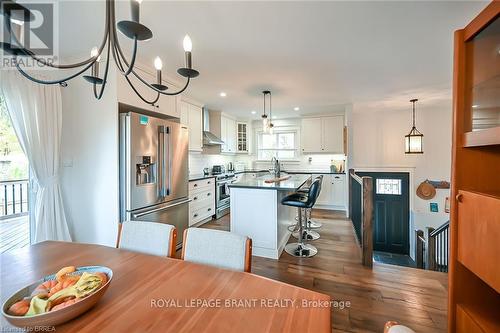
267 125
15 15
414 140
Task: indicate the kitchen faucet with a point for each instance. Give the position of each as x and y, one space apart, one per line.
275 167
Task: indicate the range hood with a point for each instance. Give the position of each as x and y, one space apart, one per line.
209 138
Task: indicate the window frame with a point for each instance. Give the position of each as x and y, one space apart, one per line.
278 130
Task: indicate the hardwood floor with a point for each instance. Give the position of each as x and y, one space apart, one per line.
413 297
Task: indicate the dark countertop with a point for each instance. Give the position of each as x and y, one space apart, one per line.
291 184
199 176
313 172
297 172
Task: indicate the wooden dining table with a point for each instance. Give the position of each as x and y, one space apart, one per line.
158 294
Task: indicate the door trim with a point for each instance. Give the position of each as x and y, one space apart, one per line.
411 172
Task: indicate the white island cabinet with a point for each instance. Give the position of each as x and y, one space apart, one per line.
257 212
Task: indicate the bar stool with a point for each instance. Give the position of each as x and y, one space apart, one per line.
302 201
311 224
308 233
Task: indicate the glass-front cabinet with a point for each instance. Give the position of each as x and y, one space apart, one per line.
242 137
479 75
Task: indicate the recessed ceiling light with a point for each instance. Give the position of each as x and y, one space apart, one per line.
475 106
253 112
222 94
296 108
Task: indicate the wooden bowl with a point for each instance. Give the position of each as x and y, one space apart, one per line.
59 316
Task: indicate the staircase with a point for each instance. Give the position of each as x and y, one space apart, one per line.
432 248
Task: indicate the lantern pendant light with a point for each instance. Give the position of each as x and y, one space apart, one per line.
267 125
414 140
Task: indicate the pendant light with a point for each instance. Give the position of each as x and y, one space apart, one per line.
267 125
414 140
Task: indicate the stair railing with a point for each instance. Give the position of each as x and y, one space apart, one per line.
432 251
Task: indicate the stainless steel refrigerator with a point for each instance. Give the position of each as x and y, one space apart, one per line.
154 171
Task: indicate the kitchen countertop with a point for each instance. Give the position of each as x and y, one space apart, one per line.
291 184
199 176
297 172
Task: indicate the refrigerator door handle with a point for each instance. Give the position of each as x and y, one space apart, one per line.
137 215
168 190
160 162
162 156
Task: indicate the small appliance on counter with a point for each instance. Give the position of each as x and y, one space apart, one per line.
218 169
230 167
206 171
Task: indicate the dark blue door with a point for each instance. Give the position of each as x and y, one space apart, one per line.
392 211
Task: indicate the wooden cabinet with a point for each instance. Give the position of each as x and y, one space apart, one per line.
474 276
202 204
192 116
477 70
165 105
479 235
323 135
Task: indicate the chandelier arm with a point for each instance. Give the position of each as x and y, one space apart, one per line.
61 81
105 77
91 60
123 58
116 46
140 96
159 91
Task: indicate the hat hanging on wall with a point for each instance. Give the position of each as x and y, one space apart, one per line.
426 191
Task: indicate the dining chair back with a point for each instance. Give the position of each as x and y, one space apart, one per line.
148 237
222 249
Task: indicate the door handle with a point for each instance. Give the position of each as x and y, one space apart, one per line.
137 215
169 160
459 197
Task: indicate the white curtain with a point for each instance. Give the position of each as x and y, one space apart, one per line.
36 113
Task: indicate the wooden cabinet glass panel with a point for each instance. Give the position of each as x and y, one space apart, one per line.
482 54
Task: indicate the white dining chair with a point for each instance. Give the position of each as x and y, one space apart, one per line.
148 237
217 248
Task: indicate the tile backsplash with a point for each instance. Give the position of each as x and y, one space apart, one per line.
198 161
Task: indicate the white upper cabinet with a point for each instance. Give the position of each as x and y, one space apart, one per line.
242 137
228 135
333 134
323 135
165 105
311 135
191 115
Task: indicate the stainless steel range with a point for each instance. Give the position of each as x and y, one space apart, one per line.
222 195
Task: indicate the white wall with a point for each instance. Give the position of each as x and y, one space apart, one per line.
198 161
90 160
378 143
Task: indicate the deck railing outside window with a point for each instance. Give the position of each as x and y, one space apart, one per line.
13 198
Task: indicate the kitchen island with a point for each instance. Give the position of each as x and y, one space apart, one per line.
257 212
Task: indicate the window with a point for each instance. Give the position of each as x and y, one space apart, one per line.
280 144
389 186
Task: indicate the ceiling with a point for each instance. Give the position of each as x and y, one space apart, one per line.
319 56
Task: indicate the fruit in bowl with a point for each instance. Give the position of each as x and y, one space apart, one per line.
58 297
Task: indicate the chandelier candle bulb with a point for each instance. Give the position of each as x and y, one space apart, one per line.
188 47
158 65
135 9
95 67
